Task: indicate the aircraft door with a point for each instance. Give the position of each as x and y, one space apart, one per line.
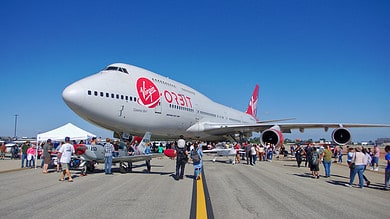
121 111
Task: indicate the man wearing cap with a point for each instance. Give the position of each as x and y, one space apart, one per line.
181 158
47 147
65 153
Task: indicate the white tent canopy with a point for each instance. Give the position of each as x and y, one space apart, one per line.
68 130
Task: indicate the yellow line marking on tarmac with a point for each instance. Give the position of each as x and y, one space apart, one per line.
201 211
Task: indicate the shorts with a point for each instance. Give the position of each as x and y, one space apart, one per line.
314 167
47 160
375 160
65 166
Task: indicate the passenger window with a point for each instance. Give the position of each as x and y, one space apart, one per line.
89 92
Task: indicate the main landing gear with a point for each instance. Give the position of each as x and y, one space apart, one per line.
87 166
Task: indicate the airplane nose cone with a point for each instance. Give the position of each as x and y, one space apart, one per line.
73 95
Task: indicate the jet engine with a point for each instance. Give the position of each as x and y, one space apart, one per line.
341 136
273 136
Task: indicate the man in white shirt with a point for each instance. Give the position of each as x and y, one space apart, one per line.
66 151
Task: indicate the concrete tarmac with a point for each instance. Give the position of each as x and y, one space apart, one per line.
277 189
280 189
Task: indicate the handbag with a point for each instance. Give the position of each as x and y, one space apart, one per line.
352 165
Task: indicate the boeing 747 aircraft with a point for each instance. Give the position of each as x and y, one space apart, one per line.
130 100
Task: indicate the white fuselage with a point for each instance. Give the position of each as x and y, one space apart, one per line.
128 99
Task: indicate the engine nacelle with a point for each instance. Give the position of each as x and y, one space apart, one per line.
272 136
341 136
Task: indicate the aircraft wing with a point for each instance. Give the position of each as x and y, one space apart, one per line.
216 150
222 129
136 158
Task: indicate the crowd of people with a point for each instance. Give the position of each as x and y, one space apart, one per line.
358 158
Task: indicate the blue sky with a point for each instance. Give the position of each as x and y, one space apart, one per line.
317 61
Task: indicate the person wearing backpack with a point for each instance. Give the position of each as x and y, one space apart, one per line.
181 157
196 156
314 163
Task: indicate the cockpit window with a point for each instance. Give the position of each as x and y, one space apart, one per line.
124 70
114 68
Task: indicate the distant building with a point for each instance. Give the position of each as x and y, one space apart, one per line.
6 138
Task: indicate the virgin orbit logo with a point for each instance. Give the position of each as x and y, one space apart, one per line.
148 93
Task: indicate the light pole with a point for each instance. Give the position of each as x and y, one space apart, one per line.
16 122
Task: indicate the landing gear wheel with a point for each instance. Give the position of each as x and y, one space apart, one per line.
84 170
122 168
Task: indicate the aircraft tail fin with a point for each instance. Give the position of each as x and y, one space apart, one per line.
252 106
145 140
